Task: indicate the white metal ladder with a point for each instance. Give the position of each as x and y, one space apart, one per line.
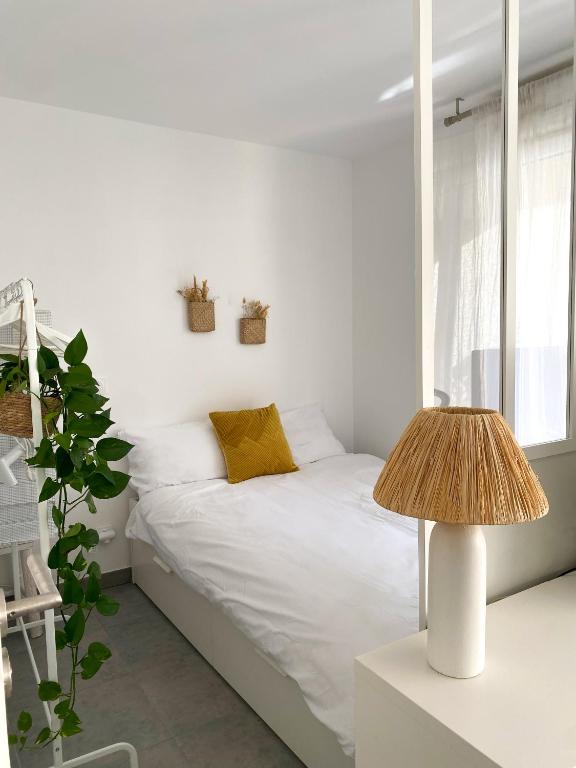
48 597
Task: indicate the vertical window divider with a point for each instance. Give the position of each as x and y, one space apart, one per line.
424 242
509 209
424 199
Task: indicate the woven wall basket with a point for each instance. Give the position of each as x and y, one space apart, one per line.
16 414
252 330
201 316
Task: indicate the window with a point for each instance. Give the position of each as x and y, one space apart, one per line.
468 258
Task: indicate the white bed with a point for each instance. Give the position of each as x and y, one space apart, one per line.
305 565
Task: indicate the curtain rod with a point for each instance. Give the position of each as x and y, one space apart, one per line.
458 116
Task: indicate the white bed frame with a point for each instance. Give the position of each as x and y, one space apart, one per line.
270 693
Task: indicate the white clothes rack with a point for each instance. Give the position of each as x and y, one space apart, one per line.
17 303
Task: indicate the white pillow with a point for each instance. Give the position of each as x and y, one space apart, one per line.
179 453
308 434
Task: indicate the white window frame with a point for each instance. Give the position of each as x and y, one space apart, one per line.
424 240
510 48
424 230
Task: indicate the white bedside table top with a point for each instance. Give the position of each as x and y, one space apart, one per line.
521 712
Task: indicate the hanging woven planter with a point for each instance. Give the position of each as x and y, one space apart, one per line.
253 330
15 406
200 308
16 413
253 324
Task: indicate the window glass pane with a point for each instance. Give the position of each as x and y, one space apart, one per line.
545 107
467 204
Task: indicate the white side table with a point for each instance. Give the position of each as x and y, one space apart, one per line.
520 713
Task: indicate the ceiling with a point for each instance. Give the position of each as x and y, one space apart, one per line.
305 74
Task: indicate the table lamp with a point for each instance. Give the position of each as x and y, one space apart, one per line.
462 468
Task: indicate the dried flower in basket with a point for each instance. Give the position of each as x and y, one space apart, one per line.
254 309
201 317
196 292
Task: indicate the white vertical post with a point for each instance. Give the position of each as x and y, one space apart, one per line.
4 756
29 314
571 384
509 209
424 232
15 555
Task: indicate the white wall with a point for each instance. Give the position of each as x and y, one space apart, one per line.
384 356
520 556
385 392
109 218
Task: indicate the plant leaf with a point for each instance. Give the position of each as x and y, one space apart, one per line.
79 563
44 734
106 472
63 439
76 376
61 639
90 665
112 448
62 707
89 538
72 592
103 489
76 481
92 588
48 358
70 724
68 543
49 489
76 349
99 486
51 416
90 502
107 606
24 722
73 530
83 402
99 651
74 627
77 456
44 456
64 465
57 516
56 558
48 690
92 425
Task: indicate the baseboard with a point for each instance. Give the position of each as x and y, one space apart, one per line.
117 578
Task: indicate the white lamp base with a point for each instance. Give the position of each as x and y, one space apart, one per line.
457 600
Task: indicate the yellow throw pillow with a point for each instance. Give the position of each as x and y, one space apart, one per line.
253 443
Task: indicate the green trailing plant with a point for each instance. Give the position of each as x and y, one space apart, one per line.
14 376
77 453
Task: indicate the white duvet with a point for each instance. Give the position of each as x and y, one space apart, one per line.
306 564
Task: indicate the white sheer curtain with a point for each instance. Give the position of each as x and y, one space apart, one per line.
468 257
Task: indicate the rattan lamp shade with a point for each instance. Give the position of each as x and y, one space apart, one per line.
460 465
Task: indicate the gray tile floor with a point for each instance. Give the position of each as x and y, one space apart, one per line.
156 692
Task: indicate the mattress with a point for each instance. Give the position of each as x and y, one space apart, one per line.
306 564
